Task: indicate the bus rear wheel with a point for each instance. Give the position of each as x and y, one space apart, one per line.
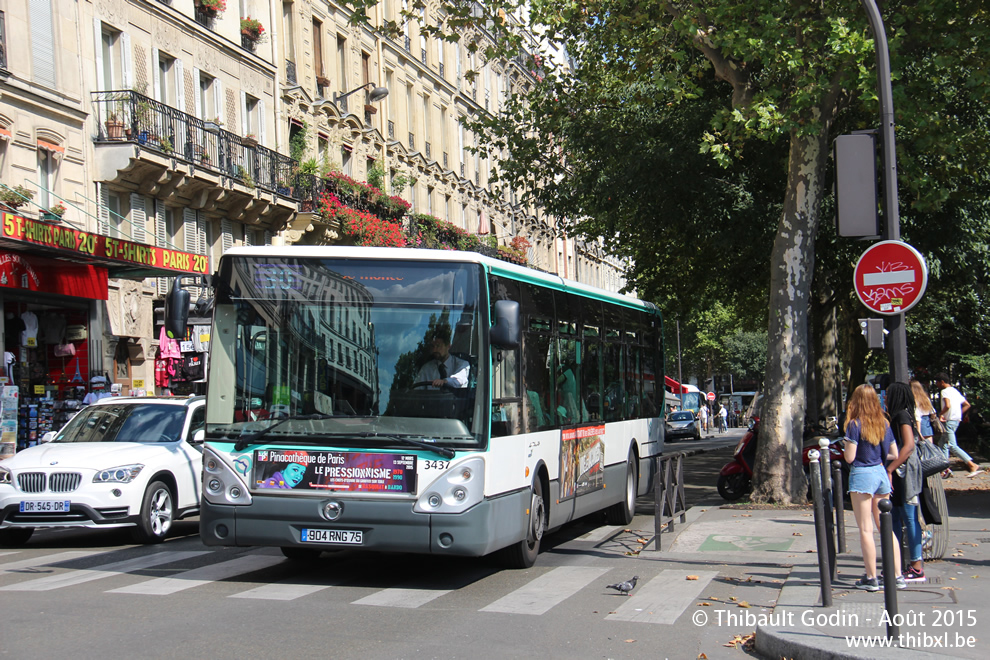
522 554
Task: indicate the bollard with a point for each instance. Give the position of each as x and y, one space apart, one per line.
838 495
827 501
824 570
889 571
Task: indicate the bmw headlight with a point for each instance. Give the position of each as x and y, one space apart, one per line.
118 475
6 478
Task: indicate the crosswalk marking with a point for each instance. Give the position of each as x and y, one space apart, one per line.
546 591
399 597
664 598
281 591
198 576
38 562
80 576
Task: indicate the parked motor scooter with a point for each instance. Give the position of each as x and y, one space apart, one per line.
812 435
736 478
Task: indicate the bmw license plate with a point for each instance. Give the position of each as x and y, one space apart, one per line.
45 506
344 536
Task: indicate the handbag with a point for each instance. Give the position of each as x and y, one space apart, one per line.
939 432
933 460
65 350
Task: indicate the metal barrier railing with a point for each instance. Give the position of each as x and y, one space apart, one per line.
668 490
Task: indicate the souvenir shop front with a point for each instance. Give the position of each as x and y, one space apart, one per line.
78 322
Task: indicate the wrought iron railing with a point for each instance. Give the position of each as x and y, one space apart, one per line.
290 72
127 116
427 144
408 44
391 129
422 55
445 160
412 141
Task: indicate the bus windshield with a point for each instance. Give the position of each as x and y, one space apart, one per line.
347 351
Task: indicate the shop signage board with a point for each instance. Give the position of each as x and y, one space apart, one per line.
105 248
890 277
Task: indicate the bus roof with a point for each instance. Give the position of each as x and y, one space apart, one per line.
491 265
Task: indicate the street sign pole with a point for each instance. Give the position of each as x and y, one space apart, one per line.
897 340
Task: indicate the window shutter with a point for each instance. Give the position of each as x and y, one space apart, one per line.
190 241
161 240
126 66
180 86
226 235
268 237
244 114
42 42
103 212
248 237
197 100
139 219
218 100
261 122
98 43
156 71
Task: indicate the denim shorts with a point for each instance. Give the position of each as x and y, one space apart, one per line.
872 480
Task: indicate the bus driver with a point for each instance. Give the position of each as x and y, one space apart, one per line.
443 369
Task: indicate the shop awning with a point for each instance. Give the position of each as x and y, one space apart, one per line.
28 272
125 259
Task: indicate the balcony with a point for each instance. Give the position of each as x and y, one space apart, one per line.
428 156
167 150
412 142
391 129
290 72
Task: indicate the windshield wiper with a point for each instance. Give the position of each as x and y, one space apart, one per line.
253 438
446 452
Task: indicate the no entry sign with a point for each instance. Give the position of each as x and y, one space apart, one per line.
710 396
890 277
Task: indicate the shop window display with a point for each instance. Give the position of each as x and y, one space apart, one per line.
46 359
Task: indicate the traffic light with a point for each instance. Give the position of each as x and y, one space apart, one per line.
874 331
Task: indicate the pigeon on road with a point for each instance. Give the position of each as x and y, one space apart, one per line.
625 587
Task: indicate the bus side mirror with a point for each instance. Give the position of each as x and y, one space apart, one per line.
506 331
176 310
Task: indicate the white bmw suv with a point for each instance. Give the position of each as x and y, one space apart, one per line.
121 462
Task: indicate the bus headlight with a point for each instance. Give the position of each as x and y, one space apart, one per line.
221 485
457 490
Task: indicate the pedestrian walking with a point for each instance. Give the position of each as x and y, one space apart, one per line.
703 416
923 408
954 406
722 415
868 443
907 479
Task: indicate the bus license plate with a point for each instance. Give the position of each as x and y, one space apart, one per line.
44 506
347 537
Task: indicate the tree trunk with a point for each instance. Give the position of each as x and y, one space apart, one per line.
778 476
827 356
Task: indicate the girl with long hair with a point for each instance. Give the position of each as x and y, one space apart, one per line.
908 480
922 408
868 442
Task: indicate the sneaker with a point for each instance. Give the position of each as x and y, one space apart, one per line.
914 574
898 582
973 473
946 473
867 584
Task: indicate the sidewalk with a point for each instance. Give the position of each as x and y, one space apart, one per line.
945 616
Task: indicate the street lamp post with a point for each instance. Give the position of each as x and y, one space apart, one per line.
376 94
897 339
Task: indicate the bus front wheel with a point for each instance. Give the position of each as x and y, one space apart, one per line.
522 554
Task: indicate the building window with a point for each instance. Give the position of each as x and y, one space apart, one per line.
252 119
42 42
318 52
47 169
346 161
111 75
342 64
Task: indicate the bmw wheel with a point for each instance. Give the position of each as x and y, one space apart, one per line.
157 514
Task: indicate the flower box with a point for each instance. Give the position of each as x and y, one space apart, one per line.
249 141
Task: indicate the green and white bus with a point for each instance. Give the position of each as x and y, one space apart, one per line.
330 423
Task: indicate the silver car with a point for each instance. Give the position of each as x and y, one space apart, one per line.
682 424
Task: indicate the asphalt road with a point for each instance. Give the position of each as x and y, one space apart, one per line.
92 594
